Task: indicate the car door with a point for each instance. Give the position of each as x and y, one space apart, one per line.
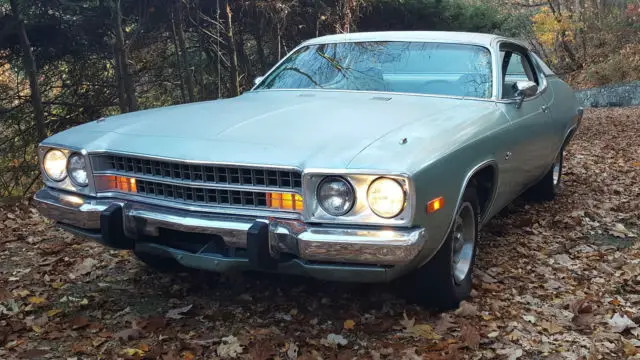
530 141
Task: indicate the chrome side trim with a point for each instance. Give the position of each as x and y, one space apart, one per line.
467 178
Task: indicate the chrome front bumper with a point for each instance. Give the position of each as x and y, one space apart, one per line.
360 254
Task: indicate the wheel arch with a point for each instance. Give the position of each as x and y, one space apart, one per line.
569 135
484 176
482 169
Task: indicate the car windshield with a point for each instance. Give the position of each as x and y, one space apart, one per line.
403 67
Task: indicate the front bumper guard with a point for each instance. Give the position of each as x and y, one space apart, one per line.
125 224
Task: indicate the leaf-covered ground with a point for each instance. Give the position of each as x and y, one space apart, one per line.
559 280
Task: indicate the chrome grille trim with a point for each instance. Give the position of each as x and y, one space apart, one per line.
202 196
194 173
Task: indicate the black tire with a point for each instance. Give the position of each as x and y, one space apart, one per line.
549 186
435 285
159 263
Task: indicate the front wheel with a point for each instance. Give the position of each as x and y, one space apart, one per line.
445 280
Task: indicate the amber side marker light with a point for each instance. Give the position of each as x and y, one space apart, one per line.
435 205
284 201
120 183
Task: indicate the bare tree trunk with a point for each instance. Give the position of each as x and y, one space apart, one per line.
243 59
188 76
31 69
279 41
257 34
233 55
122 53
183 93
347 16
122 93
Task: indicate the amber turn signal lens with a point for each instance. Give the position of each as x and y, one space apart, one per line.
435 205
118 183
284 201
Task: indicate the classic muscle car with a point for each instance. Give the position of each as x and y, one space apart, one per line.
365 157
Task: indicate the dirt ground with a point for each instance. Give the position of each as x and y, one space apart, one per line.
557 280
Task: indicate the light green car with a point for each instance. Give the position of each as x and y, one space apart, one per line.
364 157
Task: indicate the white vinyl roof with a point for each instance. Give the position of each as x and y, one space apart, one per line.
425 36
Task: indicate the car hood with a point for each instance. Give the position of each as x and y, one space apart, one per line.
305 129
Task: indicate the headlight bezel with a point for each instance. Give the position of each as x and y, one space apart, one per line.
349 204
84 167
67 184
45 168
361 213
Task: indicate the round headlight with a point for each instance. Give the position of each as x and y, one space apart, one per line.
77 170
386 197
335 196
55 165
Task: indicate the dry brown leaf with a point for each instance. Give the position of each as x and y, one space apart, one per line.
628 348
33 354
4 294
79 322
129 334
155 323
466 309
85 267
444 323
349 324
470 336
550 327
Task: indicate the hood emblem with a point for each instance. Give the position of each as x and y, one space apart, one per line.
403 141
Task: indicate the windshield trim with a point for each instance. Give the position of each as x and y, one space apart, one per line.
376 92
492 52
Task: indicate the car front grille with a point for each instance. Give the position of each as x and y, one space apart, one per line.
200 184
198 173
203 196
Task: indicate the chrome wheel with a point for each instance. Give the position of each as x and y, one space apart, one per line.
557 166
464 231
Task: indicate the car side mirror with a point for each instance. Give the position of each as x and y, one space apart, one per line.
257 80
524 89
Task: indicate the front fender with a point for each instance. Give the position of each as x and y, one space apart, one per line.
448 178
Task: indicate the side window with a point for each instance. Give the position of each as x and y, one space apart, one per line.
515 67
